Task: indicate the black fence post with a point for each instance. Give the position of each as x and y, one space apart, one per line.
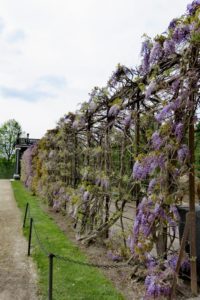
25 215
30 235
51 256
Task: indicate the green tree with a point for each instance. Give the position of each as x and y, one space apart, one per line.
8 135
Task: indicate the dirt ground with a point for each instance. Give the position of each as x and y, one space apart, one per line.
18 276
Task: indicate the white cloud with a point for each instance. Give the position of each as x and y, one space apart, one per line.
67 47
2 25
16 36
36 118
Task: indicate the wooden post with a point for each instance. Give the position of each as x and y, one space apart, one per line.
190 226
75 162
181 253
193 258
192 235
137 142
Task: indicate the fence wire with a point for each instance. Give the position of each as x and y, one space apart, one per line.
100 266
68 259
39 242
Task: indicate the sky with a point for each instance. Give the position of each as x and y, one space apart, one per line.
53 52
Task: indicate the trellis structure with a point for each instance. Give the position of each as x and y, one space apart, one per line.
21 145
131 142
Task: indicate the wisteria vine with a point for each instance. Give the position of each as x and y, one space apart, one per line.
128 143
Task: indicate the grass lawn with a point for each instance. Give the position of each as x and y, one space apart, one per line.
71 281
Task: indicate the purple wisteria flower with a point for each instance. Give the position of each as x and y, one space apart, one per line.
160 275
183 153
144 203
172 262
156 52
151 218
152 184
114 256
146 46
138 171
176 104
136 227
142 222
150 89
175 85
67 197
191 8
185 265
156 287
142 169
103 182
172 223
175 212
127 121
114 110
173 24
181 34
158 209
165 113
57 205
179 131
145 53
192 26
169 47
75 124
150 261
145 226
156 141
27 166
144 68
157 161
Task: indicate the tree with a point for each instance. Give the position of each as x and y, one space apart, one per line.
8 135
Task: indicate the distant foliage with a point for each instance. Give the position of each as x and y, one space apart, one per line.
8 136
6 169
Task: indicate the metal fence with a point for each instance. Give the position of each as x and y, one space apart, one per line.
52 256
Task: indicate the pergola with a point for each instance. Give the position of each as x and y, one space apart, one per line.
20 146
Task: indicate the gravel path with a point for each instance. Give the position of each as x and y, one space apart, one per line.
17 272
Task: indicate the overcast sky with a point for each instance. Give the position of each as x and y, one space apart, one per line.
53 52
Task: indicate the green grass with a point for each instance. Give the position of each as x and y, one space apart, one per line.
71 281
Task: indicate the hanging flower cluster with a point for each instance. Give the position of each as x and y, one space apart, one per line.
158 283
